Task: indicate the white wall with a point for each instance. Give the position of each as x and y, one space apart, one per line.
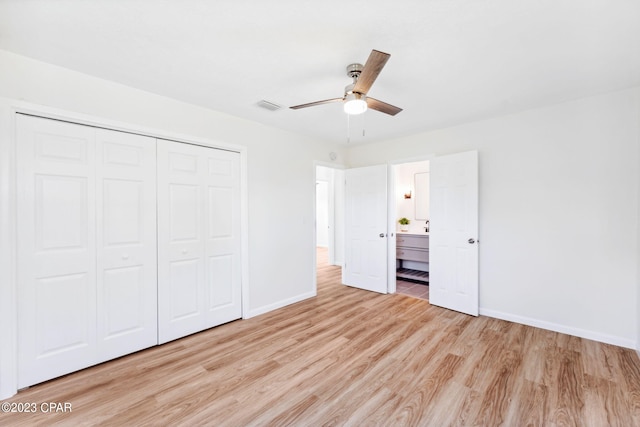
281 170
558 211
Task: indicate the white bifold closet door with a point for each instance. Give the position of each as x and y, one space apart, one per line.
86 246
126 242
198 238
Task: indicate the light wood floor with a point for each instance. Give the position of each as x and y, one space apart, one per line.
352 357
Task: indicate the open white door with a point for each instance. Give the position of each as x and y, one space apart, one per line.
366 228
453 247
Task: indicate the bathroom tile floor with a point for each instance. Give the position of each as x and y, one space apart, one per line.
413 289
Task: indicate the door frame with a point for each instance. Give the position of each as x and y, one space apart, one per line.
320 183
8 221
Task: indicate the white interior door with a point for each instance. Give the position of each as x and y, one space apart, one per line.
126 243
198 240
366 228
453 247
181 240
223 293
87 246
56 249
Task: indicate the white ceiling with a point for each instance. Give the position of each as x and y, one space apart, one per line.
452 61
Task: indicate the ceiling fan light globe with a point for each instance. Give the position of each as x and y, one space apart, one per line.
355 104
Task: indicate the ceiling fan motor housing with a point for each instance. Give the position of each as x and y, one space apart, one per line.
354 70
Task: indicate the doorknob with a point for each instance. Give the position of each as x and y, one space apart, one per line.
381 234
471 241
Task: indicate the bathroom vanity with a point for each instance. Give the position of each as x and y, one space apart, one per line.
412 255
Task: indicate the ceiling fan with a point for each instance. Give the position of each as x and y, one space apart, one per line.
355 96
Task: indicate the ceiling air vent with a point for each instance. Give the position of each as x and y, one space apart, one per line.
271 106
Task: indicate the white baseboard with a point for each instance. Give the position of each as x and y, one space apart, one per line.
577 332
267 308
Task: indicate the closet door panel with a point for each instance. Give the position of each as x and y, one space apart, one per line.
56 249
184 282
59 225
123 305
223 236
199 238
181 269
126 243
221 276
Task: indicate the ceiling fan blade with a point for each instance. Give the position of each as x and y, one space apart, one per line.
370 71
313 104
383 107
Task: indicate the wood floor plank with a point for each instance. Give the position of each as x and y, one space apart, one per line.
423 391
349 357
567 400
529 405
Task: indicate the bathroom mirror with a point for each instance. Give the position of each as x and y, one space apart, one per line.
421 196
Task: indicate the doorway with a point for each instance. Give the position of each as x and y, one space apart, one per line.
329 213
411 197
451 217
329 227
